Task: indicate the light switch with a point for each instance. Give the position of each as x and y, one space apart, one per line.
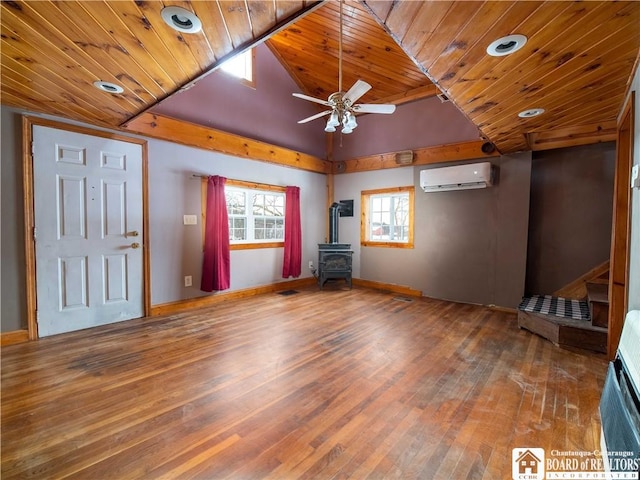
635 176
190 219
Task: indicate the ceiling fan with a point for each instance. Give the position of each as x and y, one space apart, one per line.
343 107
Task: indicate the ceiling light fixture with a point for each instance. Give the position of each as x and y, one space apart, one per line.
532 112
108 87
506 45
181 19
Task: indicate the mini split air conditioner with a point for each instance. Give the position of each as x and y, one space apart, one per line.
457 177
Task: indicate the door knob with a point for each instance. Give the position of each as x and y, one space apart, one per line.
135 245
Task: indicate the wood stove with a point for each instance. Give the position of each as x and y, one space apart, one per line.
334 262
334 258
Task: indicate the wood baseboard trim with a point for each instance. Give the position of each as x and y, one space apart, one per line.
11 338
401 289
209 300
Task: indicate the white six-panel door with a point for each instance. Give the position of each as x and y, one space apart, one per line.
88 217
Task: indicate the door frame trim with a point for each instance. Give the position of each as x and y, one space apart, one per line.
28 122
621 226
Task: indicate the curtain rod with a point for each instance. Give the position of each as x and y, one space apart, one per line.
257 185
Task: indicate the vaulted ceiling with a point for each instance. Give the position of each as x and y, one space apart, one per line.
577 63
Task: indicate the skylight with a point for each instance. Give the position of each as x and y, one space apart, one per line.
240 66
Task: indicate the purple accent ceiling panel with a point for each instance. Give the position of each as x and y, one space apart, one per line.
422 123
268 113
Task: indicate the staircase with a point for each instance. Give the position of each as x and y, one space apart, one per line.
558 325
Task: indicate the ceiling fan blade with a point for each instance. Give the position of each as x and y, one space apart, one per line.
356 91
313 117
374 108
311 99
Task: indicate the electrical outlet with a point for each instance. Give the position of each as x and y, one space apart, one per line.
188 281
310 264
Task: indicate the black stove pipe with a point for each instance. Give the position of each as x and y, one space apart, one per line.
333 222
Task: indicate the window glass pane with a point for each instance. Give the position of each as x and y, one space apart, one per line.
236 202
389 217
254 215
240 66
237 229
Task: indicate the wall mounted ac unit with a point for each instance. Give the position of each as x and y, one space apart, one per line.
457 177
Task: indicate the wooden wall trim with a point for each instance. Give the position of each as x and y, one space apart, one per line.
577 289
400 289
209 300
198 136
29 225
171 308
11 338
573 136
621 227
423 156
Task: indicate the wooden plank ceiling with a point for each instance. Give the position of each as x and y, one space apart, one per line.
53 51
577 63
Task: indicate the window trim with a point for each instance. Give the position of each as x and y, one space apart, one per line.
364 230
240 184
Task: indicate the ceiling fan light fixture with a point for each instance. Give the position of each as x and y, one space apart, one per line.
333 121
181 19
506 45
532 112
330 128
108 87
351 121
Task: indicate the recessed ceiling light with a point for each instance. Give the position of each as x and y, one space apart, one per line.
532 112
181 19
108 87
506 45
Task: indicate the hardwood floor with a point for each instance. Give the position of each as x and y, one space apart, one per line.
319 385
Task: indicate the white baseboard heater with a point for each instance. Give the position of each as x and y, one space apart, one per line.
457 177
620 403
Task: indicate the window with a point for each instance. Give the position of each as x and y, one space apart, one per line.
256 214
241 66
387 219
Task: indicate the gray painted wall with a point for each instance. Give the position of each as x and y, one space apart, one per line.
570 218
176 249
12 311
470 246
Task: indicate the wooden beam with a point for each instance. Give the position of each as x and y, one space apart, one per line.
573 136
198 136
423 156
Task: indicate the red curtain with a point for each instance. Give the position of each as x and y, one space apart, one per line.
216 266
292 265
